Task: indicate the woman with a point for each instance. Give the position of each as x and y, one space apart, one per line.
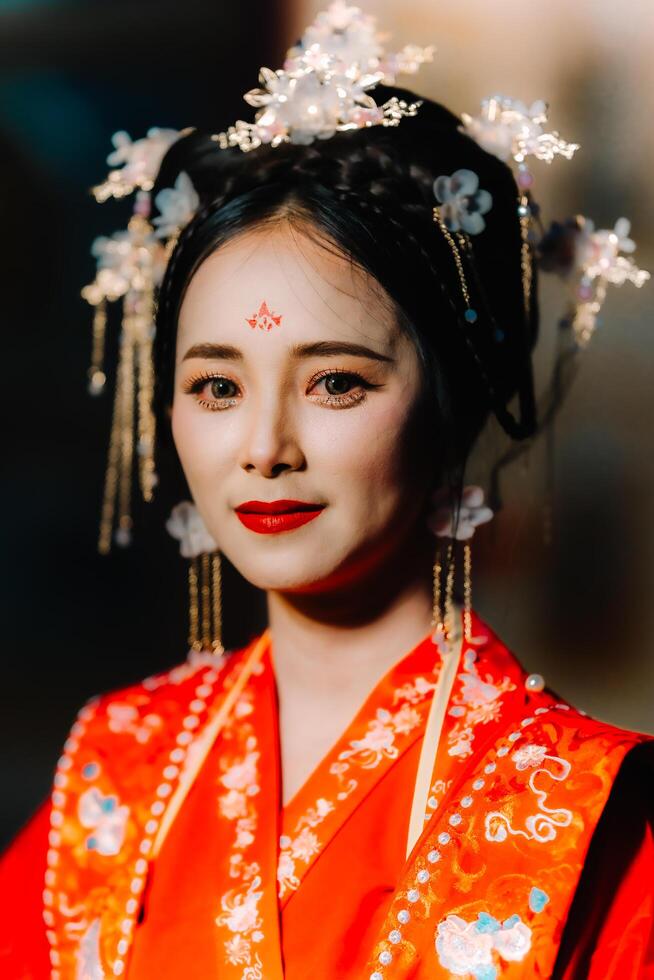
374 787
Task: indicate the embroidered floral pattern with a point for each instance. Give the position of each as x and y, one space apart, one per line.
478 702
108 820
472 948
124 717
87 956
240 905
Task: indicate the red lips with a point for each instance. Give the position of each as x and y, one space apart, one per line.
271 517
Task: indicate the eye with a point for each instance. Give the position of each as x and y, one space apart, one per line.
221 392
338 388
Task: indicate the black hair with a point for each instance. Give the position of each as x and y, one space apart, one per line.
369 193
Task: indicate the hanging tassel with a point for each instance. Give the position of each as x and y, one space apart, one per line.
132 278
96 374
205 603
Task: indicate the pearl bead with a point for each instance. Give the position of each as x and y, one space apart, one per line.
376 976
525 178
455 820
535 682
470 315
491 767
413 895
466 801
395 936
444 838
503 750
385 957
403 916
434 856
478 784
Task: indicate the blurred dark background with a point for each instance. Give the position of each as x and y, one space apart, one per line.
76 623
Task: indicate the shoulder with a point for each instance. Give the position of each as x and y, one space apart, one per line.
140 718
535 704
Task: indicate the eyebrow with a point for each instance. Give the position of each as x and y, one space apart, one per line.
319 348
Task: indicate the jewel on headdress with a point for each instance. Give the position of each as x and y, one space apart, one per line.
590 260
322 88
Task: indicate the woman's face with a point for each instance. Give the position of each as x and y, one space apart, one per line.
293 384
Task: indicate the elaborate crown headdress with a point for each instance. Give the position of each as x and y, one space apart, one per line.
323 88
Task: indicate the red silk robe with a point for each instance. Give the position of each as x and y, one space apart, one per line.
536 858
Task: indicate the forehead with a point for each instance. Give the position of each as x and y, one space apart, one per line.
316 291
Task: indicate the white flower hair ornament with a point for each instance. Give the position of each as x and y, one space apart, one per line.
176 206
509 129
462 202
186 526
323 87
589 260
472 513
136 162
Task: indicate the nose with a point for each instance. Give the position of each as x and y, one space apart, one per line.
271 446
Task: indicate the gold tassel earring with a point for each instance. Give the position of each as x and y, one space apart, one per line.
473 512
205 603
204 578
442 611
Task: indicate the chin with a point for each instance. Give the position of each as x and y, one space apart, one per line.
295 569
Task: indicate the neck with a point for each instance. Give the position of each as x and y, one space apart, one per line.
340 644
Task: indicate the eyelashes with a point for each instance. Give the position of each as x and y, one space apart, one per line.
333 399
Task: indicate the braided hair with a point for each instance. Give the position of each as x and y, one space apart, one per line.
368 193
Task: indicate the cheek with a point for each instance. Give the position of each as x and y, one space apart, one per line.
200 450
373 450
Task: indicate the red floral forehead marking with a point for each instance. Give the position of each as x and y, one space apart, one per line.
264 319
